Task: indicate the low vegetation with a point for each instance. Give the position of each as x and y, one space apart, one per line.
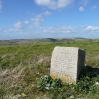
24 72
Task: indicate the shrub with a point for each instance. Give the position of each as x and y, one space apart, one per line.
87 85
47 83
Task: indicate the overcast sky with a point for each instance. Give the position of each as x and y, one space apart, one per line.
24 19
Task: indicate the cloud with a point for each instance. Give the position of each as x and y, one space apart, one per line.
47 13
91 28
0 5
62 29
84 2
94 7
9 30
26 22
54 4
37 20
18 25
81 9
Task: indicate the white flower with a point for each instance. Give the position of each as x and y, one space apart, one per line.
97 83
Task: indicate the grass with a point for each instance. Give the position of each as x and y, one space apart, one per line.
21 67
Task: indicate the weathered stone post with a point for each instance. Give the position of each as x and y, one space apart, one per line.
66 63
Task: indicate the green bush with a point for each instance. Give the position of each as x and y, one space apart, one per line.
87 85
47 83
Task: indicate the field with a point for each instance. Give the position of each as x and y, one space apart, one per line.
23 64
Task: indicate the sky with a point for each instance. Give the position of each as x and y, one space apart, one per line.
28 19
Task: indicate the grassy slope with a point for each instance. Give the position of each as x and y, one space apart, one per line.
21 66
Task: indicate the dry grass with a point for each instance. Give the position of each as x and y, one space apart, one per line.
14 74
18 82
42 59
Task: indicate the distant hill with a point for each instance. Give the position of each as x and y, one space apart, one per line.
38 40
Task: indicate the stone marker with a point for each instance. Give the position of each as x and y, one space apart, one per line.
66 63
